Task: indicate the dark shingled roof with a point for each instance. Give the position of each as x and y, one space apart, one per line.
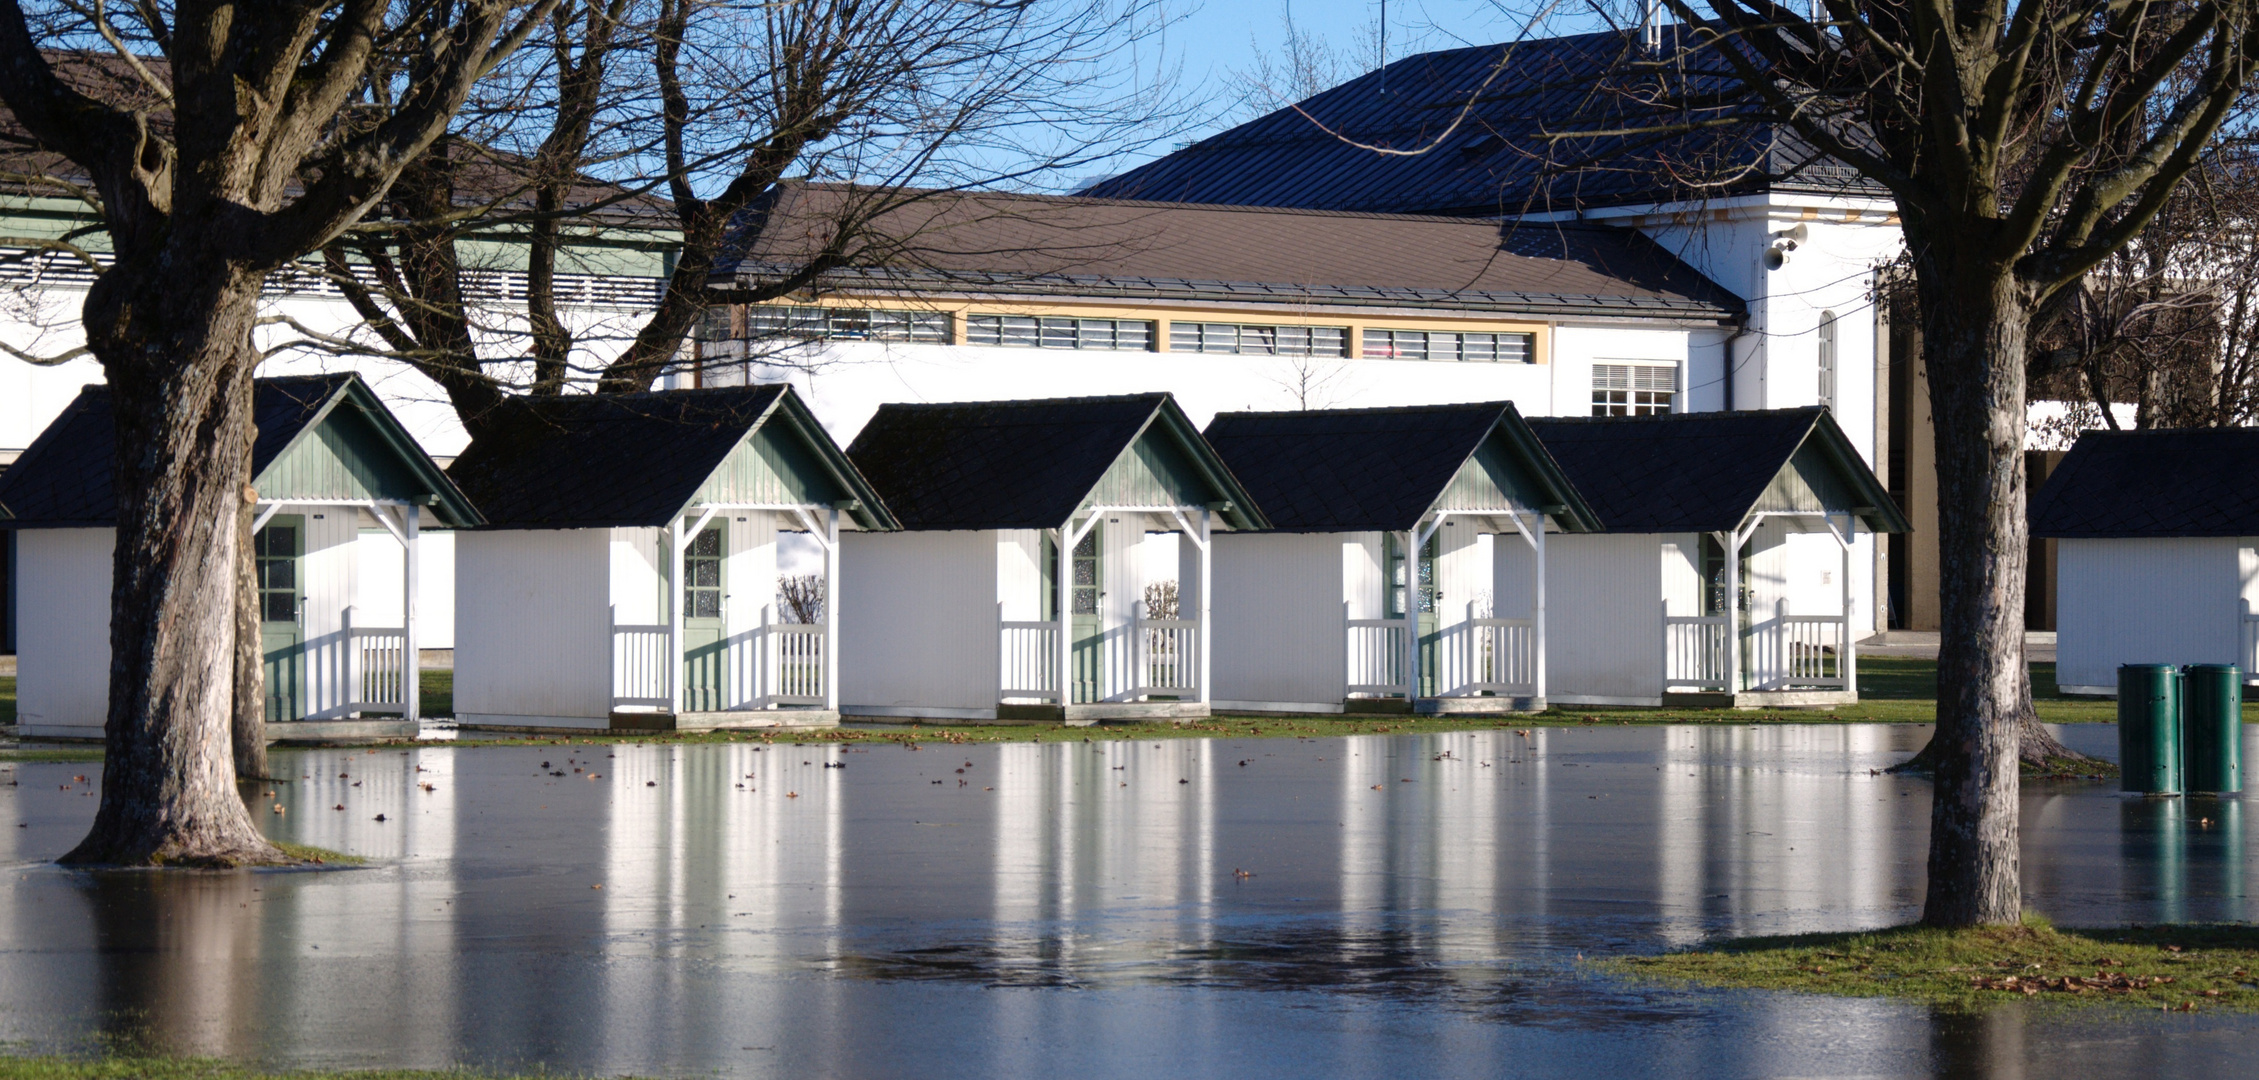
991 243
1698 472
2131 484
1018 464
63 480
1350 470
588 461
1505 156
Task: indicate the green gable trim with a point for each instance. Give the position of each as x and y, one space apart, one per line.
1170 464
788 459
354 449
1826 476
1511 468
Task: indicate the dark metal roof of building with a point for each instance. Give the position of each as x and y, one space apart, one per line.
1507 154
588 461
994 243
2136 484
1353 470
64 479
1701 472
1021 464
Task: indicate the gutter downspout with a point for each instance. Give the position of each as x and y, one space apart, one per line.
1741 330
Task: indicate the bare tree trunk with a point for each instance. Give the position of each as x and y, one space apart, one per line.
175 345
1974 323
250 658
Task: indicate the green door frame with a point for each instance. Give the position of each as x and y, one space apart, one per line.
705 629
1399 592
1086 593
279 551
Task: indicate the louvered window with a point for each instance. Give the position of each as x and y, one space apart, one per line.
1032 332
846 324
1383 344
1633 389
1193 337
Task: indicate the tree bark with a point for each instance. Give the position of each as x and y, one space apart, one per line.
250 659
1974 320
174 337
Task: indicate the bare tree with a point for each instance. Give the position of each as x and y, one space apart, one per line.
802 597
688 117
220 142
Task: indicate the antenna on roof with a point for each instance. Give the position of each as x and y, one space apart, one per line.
1651 25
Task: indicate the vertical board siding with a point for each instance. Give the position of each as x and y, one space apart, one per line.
1362 586
637 566
533 638
1279 633
918 620
1604 616
1513 576
1154 471
749 607
772 465
344 457
1682 573
63 628
1492 478
2163 601
1019 574
1121 600
1464 565
329 571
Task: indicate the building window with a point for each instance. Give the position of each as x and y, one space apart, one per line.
1383 344
844 324
1827 360
1031 332
1192 337
1633 389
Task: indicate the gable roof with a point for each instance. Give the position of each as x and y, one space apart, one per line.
1026 464
1707 472
997 243
1340 470
1506 154
64 479
2127 484
588 461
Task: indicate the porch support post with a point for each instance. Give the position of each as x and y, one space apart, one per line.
1732 540
1062 598
411 658
1207 533
1411 616
672 594
1848 663
1537 625
831 612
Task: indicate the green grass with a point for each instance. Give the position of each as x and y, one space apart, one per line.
162 1068
312 854
7 700
2183 968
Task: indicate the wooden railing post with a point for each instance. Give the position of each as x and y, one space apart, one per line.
411 660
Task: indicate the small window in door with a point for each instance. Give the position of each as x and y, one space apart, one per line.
702 575
1398 588
276 550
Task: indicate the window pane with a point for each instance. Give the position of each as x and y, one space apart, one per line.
1087 547
1184 337
706 573
1516 348
983 330
1086 573
1482 348
1058 333
1086 601
280 607
705 604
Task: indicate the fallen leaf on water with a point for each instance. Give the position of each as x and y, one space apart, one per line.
340 806
791 794
279 809
380 817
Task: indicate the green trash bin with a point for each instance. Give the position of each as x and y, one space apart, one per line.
2212 728
2149 729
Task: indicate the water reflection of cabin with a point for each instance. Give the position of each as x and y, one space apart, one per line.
1008 507
629 574
342 492
1651 623
1314 616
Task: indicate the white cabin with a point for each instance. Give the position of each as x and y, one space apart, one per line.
1652 623
2157 553
1011 512
343 492
653 562
1313 615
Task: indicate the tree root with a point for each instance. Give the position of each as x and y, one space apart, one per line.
2042 755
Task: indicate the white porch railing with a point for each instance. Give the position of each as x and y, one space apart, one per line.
1167 662
1798 651
1028 662
1376 656
1501 657
378 669
643 665
795 652
1697 652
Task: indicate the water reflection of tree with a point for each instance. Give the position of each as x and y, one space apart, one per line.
177 958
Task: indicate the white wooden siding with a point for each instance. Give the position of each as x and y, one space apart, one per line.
1279 635
1513 581
63 630
918 633
377 598
1604 618
749 604
636 582
328 573
1121 599
534 633
1363 586
1019 574
1682 573
1464 569
2162 601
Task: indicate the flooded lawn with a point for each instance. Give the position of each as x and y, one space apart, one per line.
1367 906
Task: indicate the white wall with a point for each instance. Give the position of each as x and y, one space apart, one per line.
532 644
63 631
918 615
2166 601
1604 618
1463 579
1278 612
